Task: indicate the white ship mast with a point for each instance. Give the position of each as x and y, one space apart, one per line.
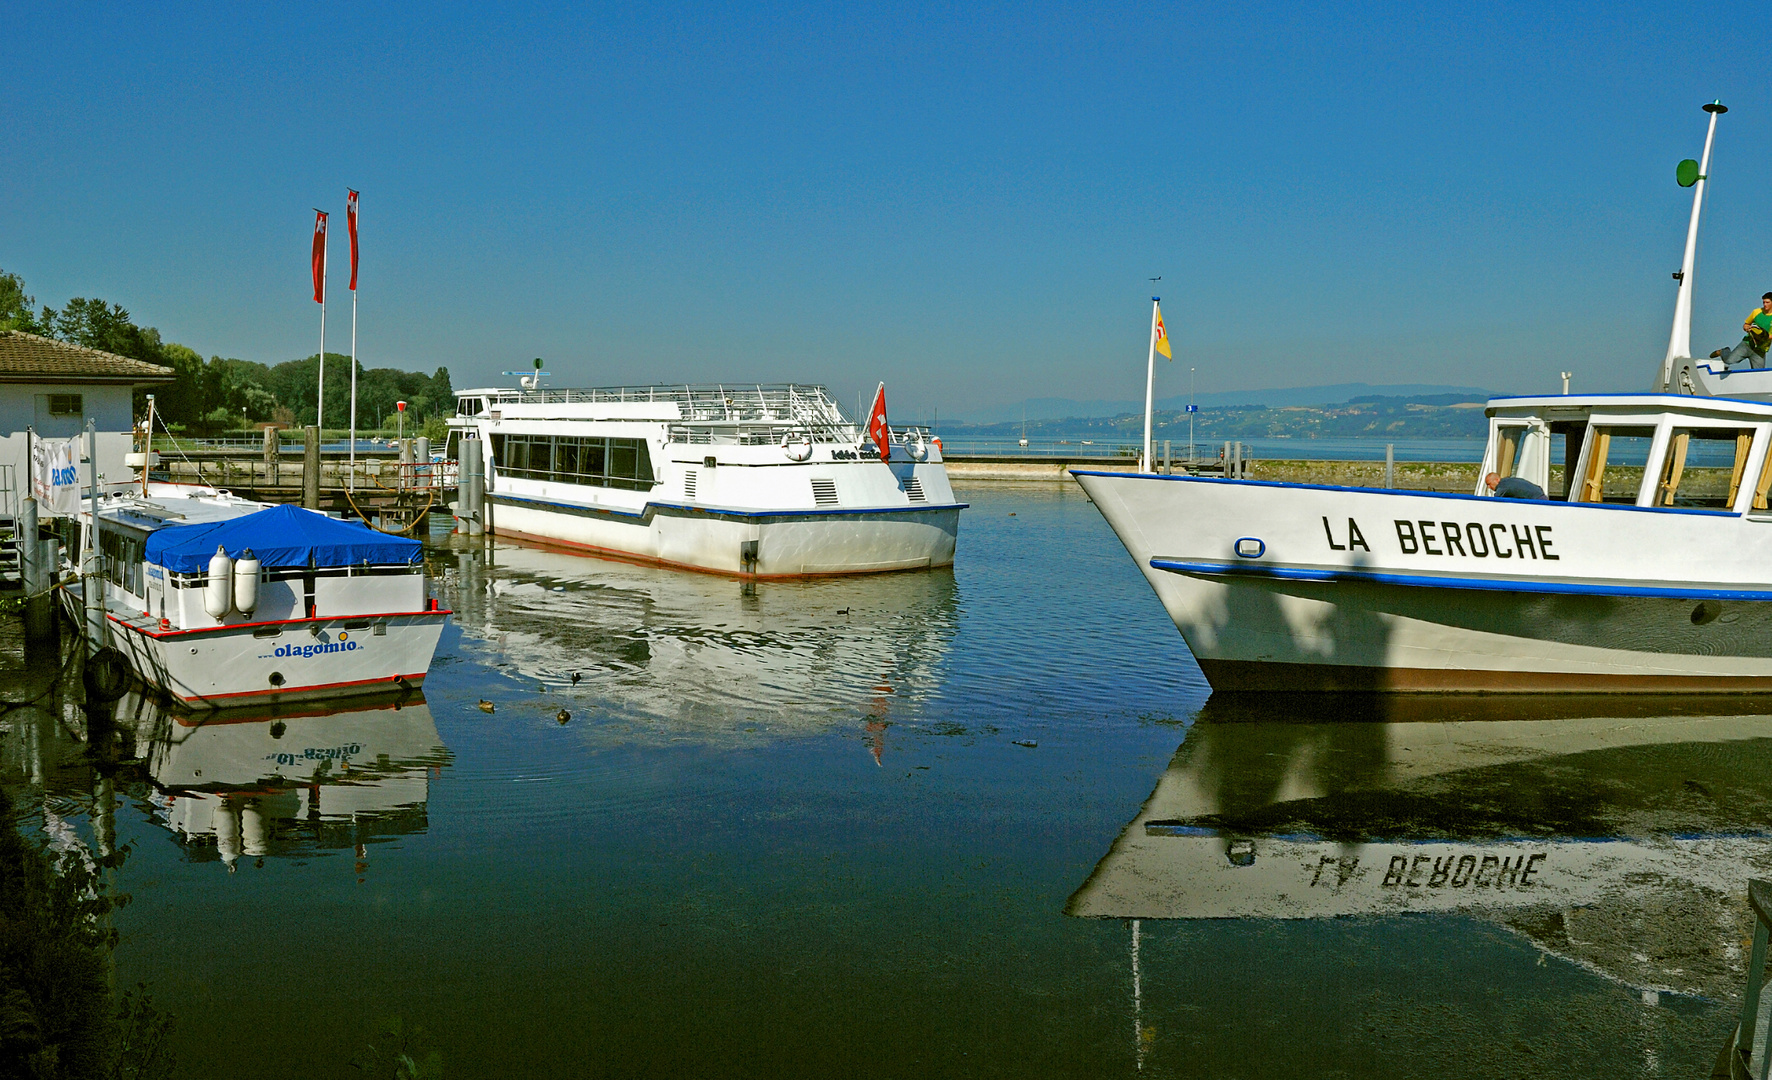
1679 342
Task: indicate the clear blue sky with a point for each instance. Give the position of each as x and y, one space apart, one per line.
964 202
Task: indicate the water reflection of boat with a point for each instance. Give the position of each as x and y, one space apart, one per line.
289 781
706 650
1621 843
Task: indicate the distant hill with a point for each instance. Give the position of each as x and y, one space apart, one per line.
1374 416
1334 394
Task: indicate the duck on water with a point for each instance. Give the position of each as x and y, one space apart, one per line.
1647 568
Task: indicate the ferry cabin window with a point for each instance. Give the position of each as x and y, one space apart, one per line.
122 560
1616 456
1507 447
1704 467
1566 437
570 459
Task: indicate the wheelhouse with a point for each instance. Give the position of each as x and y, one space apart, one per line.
1651 451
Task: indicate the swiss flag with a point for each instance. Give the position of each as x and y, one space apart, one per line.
351 220
877 429
319 256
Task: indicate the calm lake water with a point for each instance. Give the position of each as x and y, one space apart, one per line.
974 823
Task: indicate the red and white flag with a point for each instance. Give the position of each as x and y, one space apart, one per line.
877 429
319 256
351 223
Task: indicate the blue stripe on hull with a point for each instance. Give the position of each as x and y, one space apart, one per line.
1429 581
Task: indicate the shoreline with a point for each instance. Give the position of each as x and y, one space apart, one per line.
1450 476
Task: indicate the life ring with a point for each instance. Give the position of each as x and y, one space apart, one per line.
796 449
935 441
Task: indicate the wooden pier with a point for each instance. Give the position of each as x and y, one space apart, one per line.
395 488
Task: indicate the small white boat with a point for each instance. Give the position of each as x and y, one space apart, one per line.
1639 560
764 481
220 601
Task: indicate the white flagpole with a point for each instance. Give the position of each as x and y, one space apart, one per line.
1679 342
351 226
353 389
1150 376
320 413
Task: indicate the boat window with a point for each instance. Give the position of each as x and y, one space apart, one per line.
1616 457
1568 436
1764 484
1507 447
569 459
1704 467
122 560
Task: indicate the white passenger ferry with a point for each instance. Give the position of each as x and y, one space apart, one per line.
219 601
1635 569
770 481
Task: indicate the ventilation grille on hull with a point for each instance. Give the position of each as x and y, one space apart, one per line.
689 483
913 489
824 492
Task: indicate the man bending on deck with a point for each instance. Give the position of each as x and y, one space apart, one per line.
1759 332
1514 487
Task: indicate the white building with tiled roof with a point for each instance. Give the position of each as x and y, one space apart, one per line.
53 388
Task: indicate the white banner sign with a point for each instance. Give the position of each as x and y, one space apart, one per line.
55 477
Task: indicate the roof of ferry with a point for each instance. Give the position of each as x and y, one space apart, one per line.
170 504
1642 401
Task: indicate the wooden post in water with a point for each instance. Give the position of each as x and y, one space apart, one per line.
310 467
273 457
1390 465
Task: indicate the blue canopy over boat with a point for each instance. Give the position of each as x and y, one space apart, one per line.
283 536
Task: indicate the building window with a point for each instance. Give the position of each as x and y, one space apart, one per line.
568 459
66 405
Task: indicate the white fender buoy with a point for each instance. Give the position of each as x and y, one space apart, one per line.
226 824
255 830
246 569
218 591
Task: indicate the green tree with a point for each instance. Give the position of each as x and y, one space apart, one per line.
98 325
16 305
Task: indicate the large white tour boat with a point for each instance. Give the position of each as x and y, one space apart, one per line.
770 481
221 601
1643 564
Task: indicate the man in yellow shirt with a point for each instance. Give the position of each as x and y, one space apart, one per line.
1758 326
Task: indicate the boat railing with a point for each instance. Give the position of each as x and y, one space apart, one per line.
1746 1053
755 435
769 403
